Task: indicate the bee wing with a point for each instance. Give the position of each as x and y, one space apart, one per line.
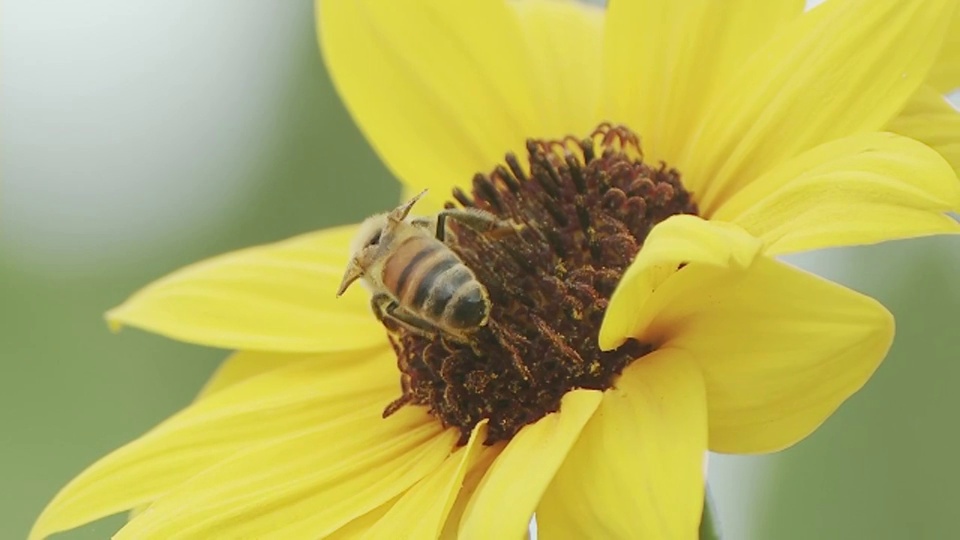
425 222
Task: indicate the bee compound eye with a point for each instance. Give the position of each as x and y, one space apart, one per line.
374 238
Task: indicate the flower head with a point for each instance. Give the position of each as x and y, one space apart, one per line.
650 159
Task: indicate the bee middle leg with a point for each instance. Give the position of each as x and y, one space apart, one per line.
385 307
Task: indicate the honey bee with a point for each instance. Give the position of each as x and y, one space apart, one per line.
417 281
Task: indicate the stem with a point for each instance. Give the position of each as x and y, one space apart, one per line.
709 524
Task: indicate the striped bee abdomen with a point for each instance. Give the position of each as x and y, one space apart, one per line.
469 307
428 279
455 299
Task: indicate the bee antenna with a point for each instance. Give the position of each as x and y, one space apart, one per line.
352 274
400 212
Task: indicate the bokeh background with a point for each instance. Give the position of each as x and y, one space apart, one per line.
139 137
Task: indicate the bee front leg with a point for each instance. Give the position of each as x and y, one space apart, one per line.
386 308
478 220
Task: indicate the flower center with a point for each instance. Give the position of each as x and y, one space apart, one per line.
581 214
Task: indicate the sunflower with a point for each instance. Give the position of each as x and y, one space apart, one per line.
652 158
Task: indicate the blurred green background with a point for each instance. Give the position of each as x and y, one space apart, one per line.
140 137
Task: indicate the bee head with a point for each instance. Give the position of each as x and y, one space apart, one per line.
369 234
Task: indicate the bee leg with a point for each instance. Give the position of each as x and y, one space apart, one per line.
386 308
474 218
396 404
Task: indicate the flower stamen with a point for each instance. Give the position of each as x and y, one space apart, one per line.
582 212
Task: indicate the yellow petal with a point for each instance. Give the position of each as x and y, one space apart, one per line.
662 58
932 120
422 511
845 67
780 349
564 38
244 365
307 485
470 484
945 74
355 529
313 392
440 89
858 190
509 492
278 297
673 244
637 469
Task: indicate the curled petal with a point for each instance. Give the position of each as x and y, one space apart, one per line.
858 190
671 246
637 469
779 349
